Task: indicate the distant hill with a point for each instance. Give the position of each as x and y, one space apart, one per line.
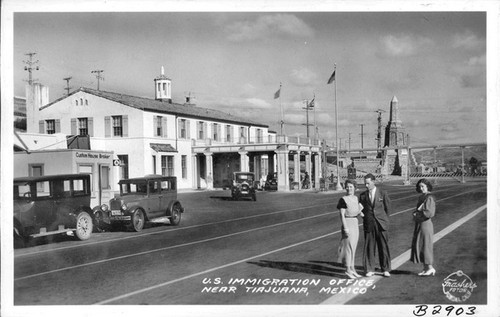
451 155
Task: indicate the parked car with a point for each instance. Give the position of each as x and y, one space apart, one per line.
150 198
49 205
243 186
271 182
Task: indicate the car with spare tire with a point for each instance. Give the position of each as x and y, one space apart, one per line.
152 198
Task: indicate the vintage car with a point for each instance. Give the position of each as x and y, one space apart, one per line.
243 186
152 198
49 205
271 182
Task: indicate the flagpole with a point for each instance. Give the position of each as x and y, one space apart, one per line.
281 113
337 186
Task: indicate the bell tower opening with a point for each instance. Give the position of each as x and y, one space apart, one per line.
163 87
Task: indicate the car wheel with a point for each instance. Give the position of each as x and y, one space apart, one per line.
175 219
138 220
84 226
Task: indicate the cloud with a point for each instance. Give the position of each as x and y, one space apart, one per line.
303 76
268 25
403 45
472 73
468 40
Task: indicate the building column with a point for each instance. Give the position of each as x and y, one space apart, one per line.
308 167
244 161
317 170
296 167
282 170
195 163
210 171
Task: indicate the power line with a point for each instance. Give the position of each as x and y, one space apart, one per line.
98 76
67 79
30 67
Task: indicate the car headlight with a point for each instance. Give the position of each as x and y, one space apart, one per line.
104 207
124 206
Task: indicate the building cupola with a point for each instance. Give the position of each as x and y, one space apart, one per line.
163 87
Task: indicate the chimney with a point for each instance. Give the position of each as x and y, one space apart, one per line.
37 96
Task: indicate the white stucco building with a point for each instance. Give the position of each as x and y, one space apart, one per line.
200 146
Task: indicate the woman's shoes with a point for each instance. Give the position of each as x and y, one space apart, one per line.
350 274
428 272
355 274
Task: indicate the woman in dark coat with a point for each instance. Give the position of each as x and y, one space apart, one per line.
422 245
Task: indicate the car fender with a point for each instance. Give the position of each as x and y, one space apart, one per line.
171 206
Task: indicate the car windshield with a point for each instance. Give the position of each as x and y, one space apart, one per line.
134 188
244 178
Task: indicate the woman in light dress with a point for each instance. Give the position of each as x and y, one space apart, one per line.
422 244
350 209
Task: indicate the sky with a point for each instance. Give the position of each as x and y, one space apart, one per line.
433 62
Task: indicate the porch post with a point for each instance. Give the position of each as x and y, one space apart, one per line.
282 171
210 171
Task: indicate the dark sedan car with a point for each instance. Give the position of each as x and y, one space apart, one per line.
49 205
271 182
150 198
243 186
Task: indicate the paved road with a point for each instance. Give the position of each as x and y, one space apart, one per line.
280 249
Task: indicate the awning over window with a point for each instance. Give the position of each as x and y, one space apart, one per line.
160 147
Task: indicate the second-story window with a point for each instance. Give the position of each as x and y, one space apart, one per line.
83 126
228 133
51 126
117 126
158 126
260 136
215 131
201 130
182 124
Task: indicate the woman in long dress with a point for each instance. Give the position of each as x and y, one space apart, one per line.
349 208
422 244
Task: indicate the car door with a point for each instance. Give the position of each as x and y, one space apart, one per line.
45 204
167 190
154 197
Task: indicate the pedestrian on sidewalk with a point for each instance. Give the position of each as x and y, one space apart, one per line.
376 209
422 244
350 209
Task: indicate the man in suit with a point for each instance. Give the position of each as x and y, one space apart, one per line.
376 207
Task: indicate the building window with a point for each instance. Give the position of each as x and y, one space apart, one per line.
105 177
158 126
76 102
167 165
86 102
154 164
215 130
117 126
83 126
51 126
201 130
259 136
123 166
182 124
87 169
184 166
81 101
228 133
